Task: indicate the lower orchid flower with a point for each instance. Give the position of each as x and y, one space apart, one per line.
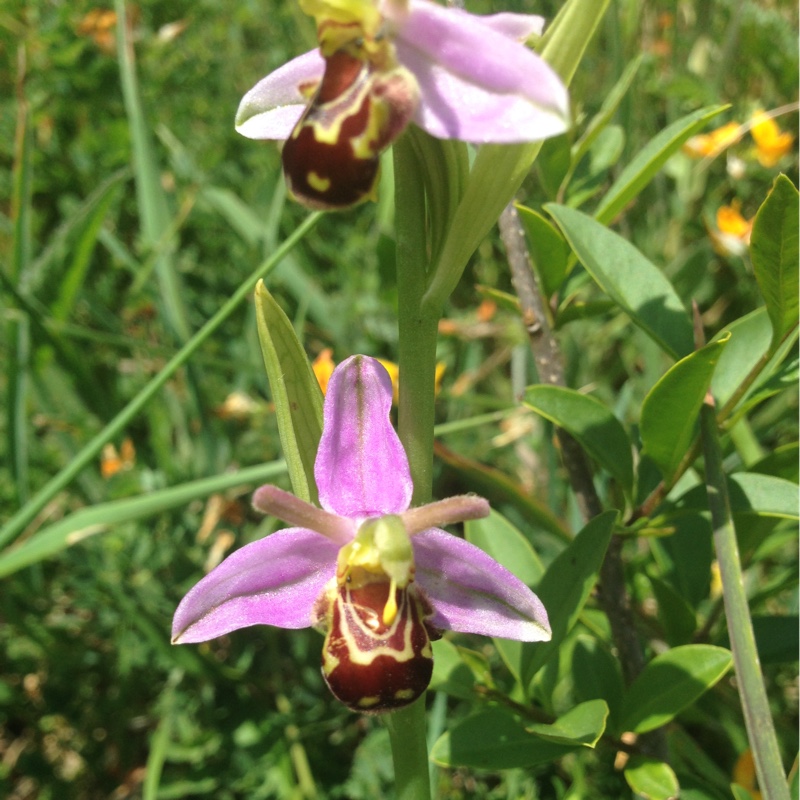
380 579
382 64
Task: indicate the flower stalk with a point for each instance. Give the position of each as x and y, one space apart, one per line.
410 752
757 716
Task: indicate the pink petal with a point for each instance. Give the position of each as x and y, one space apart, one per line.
361 468
274 581
475 83
515 26
271 109
470 592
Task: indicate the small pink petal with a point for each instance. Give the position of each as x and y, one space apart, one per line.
475 84
470 592
519 27
361 467
274 581
271 109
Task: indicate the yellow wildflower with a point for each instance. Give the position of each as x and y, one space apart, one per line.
323 368
99 24
732 234
710 145
744 773
113 461
771 142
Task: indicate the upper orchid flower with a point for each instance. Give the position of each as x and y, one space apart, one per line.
377 577
384 63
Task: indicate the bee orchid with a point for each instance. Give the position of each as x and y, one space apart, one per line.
382 64
378 578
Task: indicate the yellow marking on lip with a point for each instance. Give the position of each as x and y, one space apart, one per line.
404 694
368 702
317 182
390 609
358 656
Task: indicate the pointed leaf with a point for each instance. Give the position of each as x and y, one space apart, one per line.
751 493
676 616
670 410
599 432
649 160
450 674
596 675
651 779
635 284
750 337
548 249
765 495
670 682
777 638
494 739
567 585
774 250
583 724
295 391
685 557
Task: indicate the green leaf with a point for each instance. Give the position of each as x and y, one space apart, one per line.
651 778
496 536
553 163
590 176
676 616
295 391
634 283
583 725
599 432
740 793
494 739
670 682
566 586
782 462
671 408
596 675
450 673
649 160
750 337
779 373
777 638
685 557
774 251
766 495
547 247
751 493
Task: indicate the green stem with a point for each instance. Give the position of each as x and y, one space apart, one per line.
417 361
417 326
410 751
757 717
85 457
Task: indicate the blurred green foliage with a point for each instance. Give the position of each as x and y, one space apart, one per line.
92 696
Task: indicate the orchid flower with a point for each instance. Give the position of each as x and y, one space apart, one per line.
384 63
380 579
